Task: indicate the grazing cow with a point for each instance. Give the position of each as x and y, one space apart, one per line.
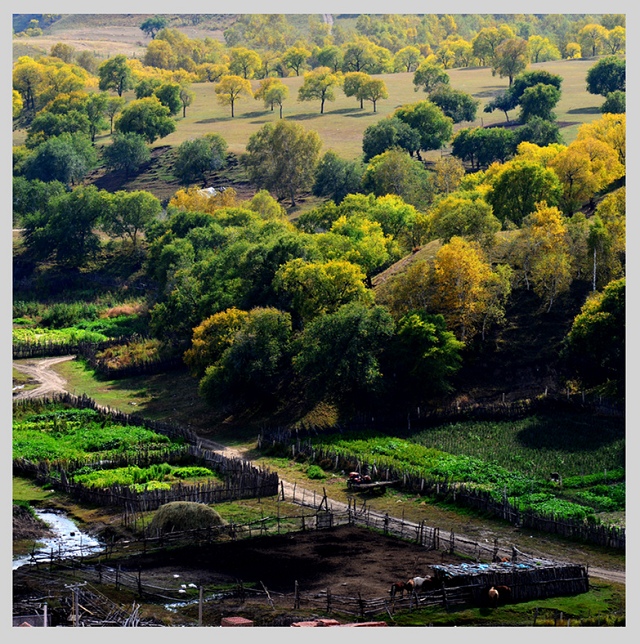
493 596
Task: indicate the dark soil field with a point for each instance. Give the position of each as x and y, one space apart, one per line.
347 560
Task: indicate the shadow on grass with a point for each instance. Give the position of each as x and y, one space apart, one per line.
360 114
304 117
584 110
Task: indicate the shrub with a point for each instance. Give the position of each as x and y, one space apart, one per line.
316 472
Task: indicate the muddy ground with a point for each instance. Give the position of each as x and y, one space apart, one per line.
347 560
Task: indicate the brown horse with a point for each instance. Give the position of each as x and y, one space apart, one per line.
504 593
398 587
494 595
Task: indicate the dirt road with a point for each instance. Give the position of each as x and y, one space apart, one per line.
40 370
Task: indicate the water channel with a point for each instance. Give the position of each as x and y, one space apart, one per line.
67 540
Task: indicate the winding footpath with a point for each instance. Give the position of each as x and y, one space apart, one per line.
51 382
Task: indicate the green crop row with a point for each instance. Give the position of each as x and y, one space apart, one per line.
527 491
80 434
157 476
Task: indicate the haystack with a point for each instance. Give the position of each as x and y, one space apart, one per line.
183 515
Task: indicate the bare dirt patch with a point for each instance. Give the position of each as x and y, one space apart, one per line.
347 560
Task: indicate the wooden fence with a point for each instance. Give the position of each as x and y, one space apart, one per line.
537 579
482 501
242 480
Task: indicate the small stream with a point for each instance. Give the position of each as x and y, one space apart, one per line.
68 540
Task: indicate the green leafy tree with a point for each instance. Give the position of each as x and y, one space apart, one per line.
429 121
147 117
96 108
196 158
295 58
151 26
282 158
337 356
519 186
352 85
407 59
539 131
244 62
510 58
273 92
594 350
113 107
318 288
336 177
606 76
421 358
331 57
387 133
251 370
66 158
186 98
32 196
482 146
429 76
394 172
169 95
130 214
504 102
457 105
615 103
374 90
539 100
128 152
592 38
462 216
231 89
115 73
318 85
66 230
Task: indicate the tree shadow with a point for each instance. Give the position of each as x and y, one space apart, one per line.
584 110
304 117
217 119
361 114
491 92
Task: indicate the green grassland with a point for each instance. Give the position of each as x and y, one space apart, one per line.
343 123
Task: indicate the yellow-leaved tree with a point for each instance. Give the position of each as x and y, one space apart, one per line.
543 248
461 275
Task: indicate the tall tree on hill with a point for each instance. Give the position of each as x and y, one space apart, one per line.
231 89
152 25
115 73
510 58
282 158
318 85
147 117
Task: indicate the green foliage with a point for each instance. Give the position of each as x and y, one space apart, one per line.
337 355
115 73
169 95
539 131
457 105
315 472
429 120
196 158
483 146
152 25
389 133
66 158
594 350
539 100
147 117
127 152
336 177
606 76
159 476
66 230
615 103
79 434
519 187
282 158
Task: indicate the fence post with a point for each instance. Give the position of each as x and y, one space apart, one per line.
296 595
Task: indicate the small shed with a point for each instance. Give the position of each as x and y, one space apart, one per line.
528 580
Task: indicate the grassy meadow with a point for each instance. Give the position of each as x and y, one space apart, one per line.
342 125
